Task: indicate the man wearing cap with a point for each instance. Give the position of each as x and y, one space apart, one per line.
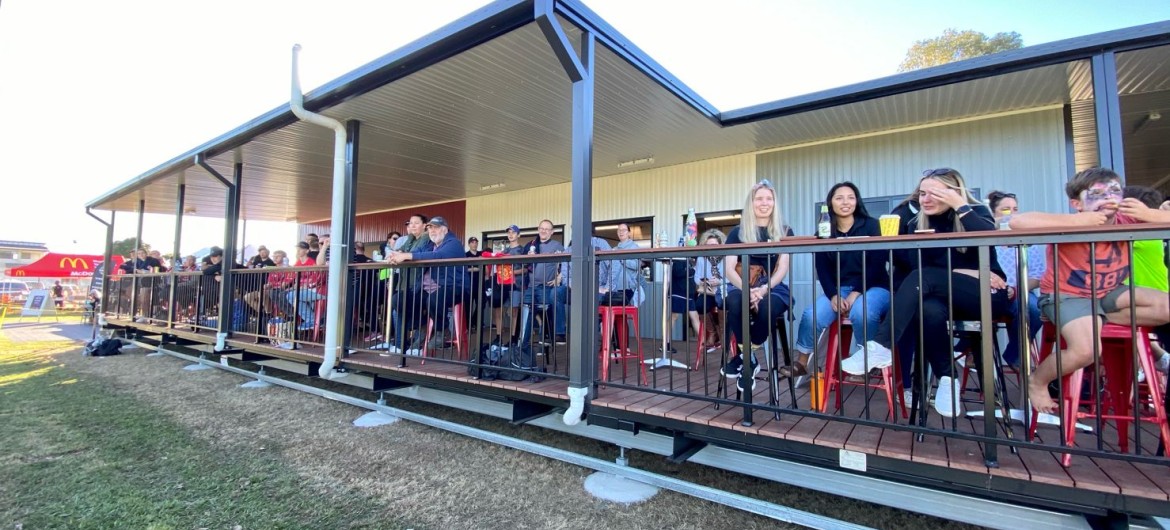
507 286
443 287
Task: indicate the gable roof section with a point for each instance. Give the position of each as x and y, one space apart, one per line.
482 106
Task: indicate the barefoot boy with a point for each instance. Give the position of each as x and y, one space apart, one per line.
1088 289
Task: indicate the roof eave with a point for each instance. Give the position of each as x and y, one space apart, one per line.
463 34
1062 51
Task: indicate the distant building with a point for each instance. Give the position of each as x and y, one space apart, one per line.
19 253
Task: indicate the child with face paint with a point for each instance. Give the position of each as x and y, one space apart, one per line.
1092 281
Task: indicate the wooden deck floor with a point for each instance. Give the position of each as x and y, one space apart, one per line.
1035 465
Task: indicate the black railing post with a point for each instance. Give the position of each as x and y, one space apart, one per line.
988 359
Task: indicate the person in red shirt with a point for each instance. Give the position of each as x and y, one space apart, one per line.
1092 282
312 287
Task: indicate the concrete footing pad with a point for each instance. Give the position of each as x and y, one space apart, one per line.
196 367
618 489
256 384
374 419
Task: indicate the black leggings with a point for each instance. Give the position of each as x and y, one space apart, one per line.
935 316
761 322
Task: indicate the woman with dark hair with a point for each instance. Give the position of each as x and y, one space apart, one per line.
946 279
855 284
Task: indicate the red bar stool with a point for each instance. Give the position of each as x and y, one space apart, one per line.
461 345
621 315
890 378
700 348
1116 361
318 315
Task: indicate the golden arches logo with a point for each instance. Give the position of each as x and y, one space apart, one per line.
74 262
19 272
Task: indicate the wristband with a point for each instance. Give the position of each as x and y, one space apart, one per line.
964 209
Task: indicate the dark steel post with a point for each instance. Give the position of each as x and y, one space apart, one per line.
231 220
352 135
583 310
133 256
1107 109
176 257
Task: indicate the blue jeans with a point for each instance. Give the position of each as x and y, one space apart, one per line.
866 314
308 296
555 298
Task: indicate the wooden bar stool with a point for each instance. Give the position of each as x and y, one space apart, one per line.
619 315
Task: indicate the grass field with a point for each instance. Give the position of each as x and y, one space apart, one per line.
79 455
135 442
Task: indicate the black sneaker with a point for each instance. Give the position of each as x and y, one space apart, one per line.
560 340
733 368
739 381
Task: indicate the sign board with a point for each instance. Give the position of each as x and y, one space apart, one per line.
39 303
95 282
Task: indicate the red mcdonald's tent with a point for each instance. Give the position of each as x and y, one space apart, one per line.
54 265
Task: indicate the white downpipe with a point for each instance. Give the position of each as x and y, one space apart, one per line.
337 247
576 405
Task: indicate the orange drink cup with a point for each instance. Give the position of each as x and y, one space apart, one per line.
889 224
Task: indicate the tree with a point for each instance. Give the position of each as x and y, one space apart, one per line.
127 246
956 45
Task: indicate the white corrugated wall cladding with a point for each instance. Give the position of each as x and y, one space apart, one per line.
664 194
1020 153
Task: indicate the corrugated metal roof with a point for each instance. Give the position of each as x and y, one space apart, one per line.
497 112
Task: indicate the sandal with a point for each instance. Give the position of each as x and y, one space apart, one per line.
796 370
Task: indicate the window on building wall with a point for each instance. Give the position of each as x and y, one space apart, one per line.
723 221
26 255
641 230
488 239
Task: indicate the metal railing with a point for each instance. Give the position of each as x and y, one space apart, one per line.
933 311
509 321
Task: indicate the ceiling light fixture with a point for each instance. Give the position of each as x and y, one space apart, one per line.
722 217
489 187
636 162
1146 121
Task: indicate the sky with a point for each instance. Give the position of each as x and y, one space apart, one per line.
94 94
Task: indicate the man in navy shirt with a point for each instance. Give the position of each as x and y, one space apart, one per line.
443 287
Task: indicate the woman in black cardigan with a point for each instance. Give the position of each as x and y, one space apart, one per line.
945 206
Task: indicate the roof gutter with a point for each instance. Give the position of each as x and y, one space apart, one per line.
337 247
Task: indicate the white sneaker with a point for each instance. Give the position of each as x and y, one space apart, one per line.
414 352
948 396
1163 363
878 356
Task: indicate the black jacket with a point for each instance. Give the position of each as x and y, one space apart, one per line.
906 260
853 272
